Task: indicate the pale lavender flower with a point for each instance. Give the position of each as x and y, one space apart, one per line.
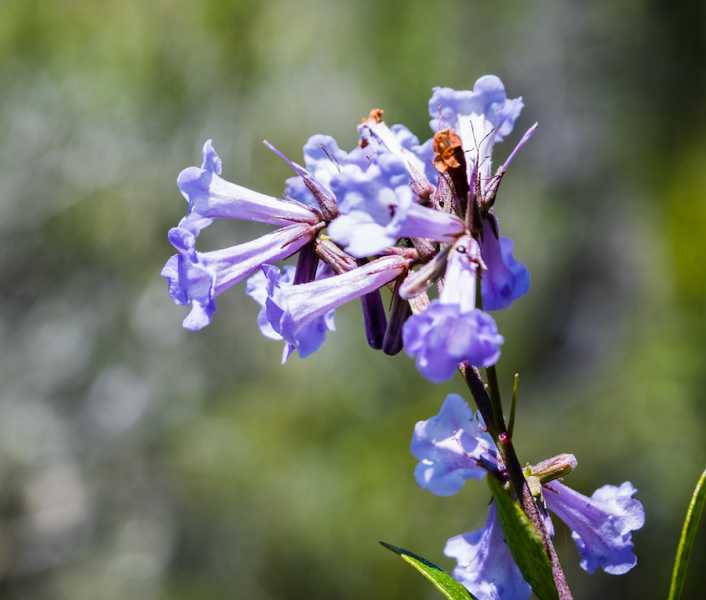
450 447
481 117
291 308
403 144
506 278
452 330
378 208
309 338
196 278
601 524
485 565
323 159
211 197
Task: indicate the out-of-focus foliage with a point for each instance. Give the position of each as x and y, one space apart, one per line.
141 461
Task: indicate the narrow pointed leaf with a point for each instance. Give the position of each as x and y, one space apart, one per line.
525 544
688 534
446 584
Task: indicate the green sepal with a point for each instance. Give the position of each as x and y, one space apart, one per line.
446 584
524 543
688 534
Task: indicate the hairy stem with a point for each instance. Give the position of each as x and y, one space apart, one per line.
489 405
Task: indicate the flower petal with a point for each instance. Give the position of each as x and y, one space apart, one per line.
601 524
482 117
211 197
485 563
198 277
443 337
311 337
291 308
506 279
323 159
378 208
448 447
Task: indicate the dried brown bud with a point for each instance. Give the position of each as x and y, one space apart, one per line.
375 115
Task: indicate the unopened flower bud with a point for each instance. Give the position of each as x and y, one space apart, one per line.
399 313
336 258
422 279
553 468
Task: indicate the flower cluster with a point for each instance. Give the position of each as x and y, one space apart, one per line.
453 447
392 212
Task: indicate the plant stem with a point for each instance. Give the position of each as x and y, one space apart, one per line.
489 406
513 407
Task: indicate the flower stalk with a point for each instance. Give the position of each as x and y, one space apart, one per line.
489 405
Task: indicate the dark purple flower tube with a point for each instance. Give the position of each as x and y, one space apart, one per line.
400 311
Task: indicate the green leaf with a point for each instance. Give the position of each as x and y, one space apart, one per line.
446 584
524 543
688 534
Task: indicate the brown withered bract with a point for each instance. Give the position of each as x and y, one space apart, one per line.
449 158
448 151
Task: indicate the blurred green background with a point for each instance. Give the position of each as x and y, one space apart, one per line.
142 461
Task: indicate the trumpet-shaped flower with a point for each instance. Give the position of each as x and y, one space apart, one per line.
481 117
378 208
452 330
601 525
211 197
310 337
196 278
506 278
290 308
485 565
403 144
323 159
450 448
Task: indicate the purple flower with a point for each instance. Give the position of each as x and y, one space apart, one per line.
449 448
481 117
290 308
506 278
485 565
211 197
452 448
601 524
198 277
323 159
402 143
378 208
443 337
452 330
309 338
